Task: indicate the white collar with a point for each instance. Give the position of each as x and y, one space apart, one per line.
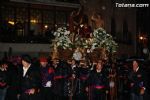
137 69
98 71
73 66
25 69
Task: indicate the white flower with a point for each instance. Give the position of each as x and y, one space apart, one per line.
103 40
58 43
64 28
100 39
55 33
58 34
59 29
64 47
62 37
66 32
93 47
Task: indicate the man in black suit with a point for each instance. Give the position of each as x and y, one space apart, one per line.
137 82
30 80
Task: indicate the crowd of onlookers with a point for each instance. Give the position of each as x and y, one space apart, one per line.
26 78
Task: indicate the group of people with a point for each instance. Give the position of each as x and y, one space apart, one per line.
67 80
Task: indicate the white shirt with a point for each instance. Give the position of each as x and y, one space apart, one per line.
25 69
73 66
137 69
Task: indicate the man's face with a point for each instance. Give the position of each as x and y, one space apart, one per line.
99 66
25 64
135 65
55 62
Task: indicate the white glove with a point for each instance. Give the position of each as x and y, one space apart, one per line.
48 84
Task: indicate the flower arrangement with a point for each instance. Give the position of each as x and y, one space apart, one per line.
62 38
99 39
103 40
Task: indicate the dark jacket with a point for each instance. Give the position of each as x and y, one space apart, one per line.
82 76
13 82
3 79
61 75
138 80
32 79
98 79
47 74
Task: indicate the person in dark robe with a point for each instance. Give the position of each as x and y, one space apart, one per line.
97 84
72 80
147 91
60 83
30 80
3 80
137 81
47 73
82 75
13 82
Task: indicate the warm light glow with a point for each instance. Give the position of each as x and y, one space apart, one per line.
103 7
81 25
11 22
46 26
141 37
33 21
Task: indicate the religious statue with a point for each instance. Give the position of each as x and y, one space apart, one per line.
74 22
85 30
98 20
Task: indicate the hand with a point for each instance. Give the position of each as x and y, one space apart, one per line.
107 91
142 91
73 76
18 96
31 91
131 84
49 84
86 89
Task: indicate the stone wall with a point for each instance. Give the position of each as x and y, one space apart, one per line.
22 48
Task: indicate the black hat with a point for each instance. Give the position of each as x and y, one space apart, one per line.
26 58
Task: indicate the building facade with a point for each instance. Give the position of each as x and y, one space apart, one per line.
32 21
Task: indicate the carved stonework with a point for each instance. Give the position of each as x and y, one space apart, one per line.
99 53
67 54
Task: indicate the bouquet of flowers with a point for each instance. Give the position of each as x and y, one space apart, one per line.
98 40
103 40
62 38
